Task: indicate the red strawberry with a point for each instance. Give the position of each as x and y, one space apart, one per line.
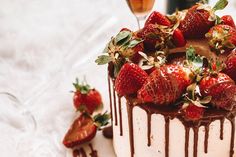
86 99
157 18
196 23
230 63
165 85
155 37
193 112
84 129
130 79
222 38
178 38
228 20
217 86
81 131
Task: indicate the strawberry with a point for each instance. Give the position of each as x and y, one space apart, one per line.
228 20
130 79
217 86
85 98
193 112
230 65
84 129
178 38
196 23
155 37
165 85
221 38
157 18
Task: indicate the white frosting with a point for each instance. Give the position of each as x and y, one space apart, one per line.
216 147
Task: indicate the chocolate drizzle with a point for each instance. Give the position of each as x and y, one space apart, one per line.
232 137
109 88
206 138
186 140
93 153
114 104
167 136
79 153
120 116
149 116
170 113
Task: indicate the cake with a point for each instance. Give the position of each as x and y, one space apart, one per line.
172 85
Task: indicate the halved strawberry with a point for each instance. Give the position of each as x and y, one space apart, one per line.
193 112
157 18
228 20
86 99
222 38
84 129
196 23
178 38
165 85
230 68
216 86
130 79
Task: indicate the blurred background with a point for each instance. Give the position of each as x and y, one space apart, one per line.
44 46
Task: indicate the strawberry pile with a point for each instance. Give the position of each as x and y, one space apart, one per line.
84 128
140 61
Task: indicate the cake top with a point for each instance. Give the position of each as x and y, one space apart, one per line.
186 60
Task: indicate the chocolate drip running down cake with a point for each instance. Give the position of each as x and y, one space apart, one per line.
172 85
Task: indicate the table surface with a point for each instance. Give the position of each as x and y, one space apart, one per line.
44 46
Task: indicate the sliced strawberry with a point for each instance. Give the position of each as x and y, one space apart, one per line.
196 23
86 99
165 85
193 112
230 63
130 79
216 86
228 20
178 38
222 38
157 18
82 130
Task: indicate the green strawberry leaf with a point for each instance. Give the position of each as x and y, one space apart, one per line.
101 119
103 59
220 5
194 59
134 42
122 37
190 53
218 20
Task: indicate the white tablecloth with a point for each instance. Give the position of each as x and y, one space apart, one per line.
44 46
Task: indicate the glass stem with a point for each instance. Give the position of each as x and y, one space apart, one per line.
140 21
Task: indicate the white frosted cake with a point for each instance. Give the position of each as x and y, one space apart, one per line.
172 85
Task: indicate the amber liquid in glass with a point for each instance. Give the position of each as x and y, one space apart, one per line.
140 7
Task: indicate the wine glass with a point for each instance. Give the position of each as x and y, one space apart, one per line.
140 8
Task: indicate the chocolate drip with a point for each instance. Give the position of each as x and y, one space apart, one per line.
114 105
206 138
131 127
149 121
186 140
108 132
93 152
109 88
232 137
195 141
222 120
120 116
167 136
79 153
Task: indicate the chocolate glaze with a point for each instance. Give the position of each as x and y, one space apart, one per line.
114 102
79 153
93 153
171 112
120 116
109 88
107 132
